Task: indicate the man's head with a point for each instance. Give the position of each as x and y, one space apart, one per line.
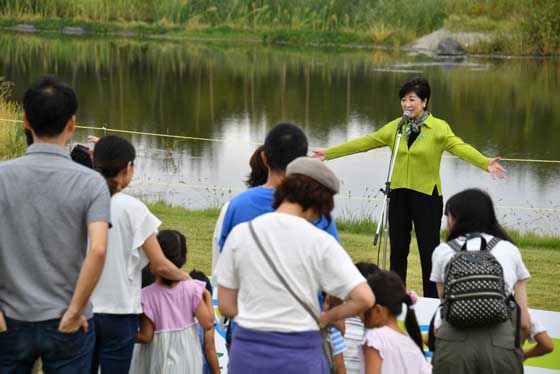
283 144
49 107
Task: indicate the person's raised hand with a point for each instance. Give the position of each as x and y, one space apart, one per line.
320 153
495 169
72 322
92 139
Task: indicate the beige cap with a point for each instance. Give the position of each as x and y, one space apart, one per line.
315 169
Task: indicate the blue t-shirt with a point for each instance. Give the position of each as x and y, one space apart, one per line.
257 201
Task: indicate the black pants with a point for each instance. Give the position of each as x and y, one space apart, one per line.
405 207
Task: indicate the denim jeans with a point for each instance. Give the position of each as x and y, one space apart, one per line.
115 335
23 342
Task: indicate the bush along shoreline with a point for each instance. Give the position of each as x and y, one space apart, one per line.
508 27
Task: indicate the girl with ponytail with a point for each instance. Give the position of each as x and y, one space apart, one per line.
387 349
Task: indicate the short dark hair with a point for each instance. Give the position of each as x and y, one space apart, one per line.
419 86
199 275
283 144
111 155
307 192
473 211
174 247
366 268
259 172
48 105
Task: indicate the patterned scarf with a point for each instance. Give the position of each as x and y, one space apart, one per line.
413 126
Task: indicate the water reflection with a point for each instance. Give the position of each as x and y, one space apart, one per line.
236 93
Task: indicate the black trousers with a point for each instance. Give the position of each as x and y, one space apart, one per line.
407 207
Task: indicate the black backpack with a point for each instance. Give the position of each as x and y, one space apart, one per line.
474 293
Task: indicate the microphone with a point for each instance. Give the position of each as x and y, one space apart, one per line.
405 117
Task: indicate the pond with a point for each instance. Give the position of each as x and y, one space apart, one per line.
228 96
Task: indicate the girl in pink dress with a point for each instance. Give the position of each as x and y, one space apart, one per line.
168 335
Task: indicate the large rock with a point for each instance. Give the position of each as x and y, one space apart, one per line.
450 47
23 27
73 31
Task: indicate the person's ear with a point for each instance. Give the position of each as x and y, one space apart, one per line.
71 124
26 124
264 159
450 222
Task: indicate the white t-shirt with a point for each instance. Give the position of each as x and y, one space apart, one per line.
536 327
505 252
118 289
309 259
399 353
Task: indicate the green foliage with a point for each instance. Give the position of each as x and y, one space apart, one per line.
12 137
293 15
519 26
541 27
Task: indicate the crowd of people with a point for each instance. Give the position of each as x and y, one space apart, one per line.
89 282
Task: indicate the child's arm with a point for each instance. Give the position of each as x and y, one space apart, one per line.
210 351
207 299
372 360
204 314
146 332
339 362
544 345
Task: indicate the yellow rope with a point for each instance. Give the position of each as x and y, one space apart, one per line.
103 128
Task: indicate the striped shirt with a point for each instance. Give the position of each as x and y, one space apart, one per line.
354 355
339 344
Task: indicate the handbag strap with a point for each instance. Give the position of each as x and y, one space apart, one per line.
305 306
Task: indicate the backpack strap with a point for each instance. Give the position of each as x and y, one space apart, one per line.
432 333
492 243
455 245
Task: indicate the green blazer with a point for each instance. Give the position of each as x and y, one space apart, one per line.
416 168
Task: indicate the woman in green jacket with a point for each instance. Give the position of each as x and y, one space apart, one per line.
416 186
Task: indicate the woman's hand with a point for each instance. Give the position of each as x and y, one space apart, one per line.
495 169
320 153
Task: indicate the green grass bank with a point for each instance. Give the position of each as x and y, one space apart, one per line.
521 27
543 261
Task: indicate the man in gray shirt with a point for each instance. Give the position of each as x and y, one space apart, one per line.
50 207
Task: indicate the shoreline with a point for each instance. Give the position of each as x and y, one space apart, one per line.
135 30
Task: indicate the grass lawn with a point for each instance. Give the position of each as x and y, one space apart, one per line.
543 262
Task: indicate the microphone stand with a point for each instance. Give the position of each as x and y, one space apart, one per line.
383 221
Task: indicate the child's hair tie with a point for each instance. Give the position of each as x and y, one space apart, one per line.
412 298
